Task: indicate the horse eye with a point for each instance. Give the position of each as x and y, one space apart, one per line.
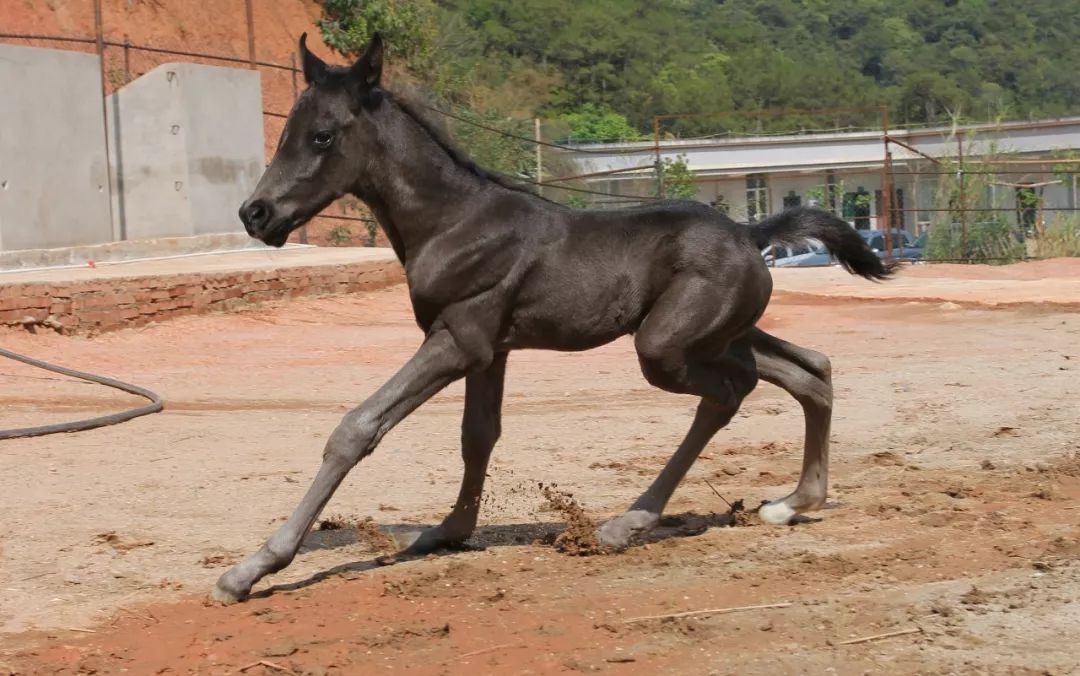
323 139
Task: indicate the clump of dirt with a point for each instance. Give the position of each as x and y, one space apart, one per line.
579 538
739 516
940 607
728 471
113 540
1046 492
1069 465
942 519
961 492
217 560
885 510
1066 547
887 458
744 520
398 637
374 538
608 465
335 522
833 565
976 597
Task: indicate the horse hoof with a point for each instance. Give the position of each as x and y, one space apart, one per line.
776 513
617 533
224 596
227 593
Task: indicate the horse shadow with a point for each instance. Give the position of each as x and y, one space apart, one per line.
544 533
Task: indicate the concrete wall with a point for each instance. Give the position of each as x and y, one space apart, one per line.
187 149
53 181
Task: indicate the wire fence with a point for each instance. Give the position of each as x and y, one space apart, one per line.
961 207
122 61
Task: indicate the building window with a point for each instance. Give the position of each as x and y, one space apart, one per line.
1027 206
856 208
831 191
757 198
792 201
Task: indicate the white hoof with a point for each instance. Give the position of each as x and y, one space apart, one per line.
224 597
776 513
618 532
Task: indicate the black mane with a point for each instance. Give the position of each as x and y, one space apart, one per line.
412 103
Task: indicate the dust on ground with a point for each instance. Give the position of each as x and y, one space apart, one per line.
947 546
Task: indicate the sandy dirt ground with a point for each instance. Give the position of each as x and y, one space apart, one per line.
952 522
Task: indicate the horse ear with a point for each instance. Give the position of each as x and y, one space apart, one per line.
368 70
314 67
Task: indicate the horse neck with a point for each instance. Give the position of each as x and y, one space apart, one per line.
416 189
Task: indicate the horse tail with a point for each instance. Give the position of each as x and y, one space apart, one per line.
843 242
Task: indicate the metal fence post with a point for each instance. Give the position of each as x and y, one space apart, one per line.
659 160
963 197
250 11
127 59
99 40
886 186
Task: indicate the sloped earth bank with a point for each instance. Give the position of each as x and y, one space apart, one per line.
953 519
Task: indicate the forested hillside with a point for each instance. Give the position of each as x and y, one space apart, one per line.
599 64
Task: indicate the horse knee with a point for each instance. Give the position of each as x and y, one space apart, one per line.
819 365
353 439
817 389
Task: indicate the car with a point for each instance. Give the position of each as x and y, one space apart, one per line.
810 253
813 253
903 247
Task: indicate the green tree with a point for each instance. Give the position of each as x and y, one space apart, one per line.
575 61
596 123
678 179
410 27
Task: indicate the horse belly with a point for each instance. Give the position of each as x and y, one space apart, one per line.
573 316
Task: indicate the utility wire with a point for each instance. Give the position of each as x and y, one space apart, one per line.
495 130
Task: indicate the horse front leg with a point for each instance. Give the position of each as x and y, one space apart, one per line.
481 425
438 362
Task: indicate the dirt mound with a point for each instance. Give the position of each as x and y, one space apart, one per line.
579 538
1069 465
457 579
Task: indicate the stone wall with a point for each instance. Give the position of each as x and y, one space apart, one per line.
94 306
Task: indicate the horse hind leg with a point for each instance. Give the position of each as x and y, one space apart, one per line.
806 376
723 383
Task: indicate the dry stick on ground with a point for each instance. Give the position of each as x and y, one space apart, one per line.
711 611
491 649
730 506
265 663
85 631
864 639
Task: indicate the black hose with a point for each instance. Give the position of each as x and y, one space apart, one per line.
154 406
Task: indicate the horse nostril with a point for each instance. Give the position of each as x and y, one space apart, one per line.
256 215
